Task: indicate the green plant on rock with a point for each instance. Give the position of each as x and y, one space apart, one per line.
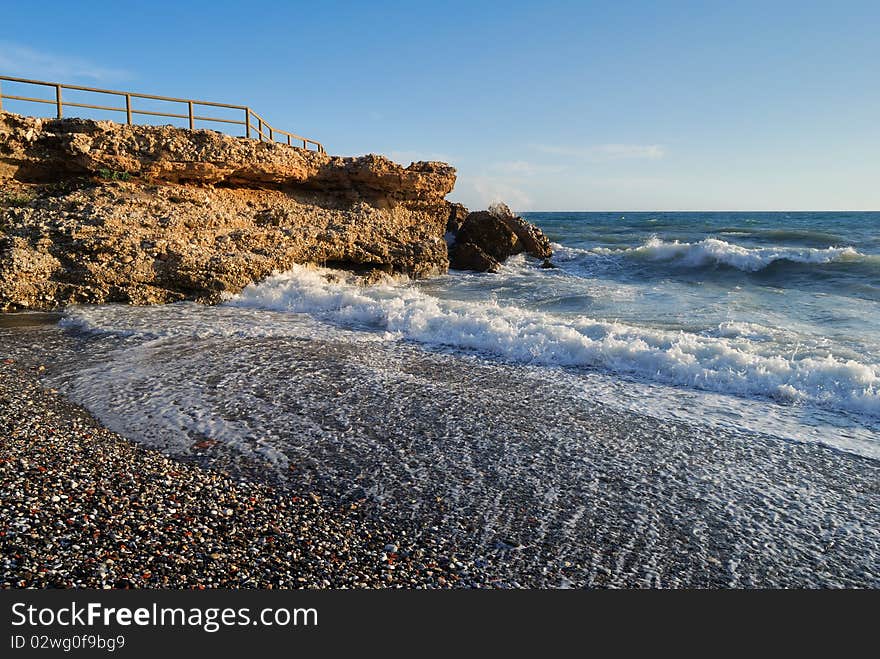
113 175
16 199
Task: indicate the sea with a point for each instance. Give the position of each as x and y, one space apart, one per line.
753 321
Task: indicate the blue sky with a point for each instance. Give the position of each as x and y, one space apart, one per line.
549 106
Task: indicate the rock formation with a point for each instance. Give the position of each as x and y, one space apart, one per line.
486 238
102 212
95 211
457 215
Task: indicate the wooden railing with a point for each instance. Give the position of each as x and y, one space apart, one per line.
254 125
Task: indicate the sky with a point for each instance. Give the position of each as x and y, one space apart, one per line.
624 105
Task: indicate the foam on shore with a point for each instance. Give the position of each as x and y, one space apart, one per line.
713 363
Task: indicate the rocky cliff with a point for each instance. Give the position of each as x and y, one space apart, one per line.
102 212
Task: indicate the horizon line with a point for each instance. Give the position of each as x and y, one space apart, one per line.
734 210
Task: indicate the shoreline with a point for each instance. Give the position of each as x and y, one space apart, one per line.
506 501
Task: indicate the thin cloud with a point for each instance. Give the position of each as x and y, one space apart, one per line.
26 62
607 151
481 191
524 168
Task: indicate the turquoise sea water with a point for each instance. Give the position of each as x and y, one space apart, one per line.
782 309
819 272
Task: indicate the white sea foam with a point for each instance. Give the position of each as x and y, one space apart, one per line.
713 251
752 331
713 363
177 322
563 253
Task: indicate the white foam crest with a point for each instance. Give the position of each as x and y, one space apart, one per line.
563 253
714 251
192 321
712 363
752 331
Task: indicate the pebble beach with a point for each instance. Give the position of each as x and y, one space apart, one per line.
397 472
83 507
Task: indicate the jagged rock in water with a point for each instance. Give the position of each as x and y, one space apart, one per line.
94 211
532 239
468 256
487 238
490 234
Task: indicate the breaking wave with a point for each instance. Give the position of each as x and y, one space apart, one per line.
712 251
726 363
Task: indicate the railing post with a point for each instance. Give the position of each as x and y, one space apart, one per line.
288 140
260 128
305 144
58 100
247 123
271 134
1 96
128 108
192 123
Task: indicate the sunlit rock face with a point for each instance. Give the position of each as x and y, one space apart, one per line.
94 211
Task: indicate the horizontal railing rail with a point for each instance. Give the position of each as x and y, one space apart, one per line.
253 123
